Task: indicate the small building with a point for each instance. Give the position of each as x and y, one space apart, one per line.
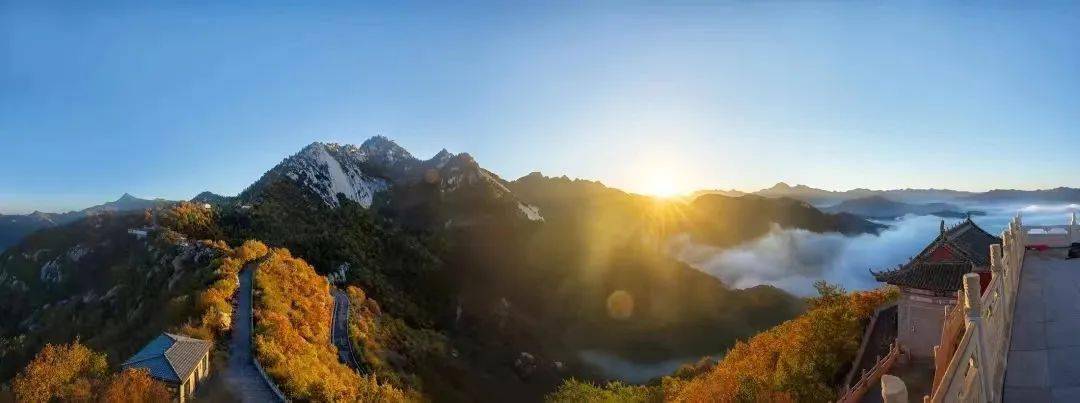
178 361
930 281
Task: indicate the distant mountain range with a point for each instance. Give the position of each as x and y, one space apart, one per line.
878 207
14 227
822 198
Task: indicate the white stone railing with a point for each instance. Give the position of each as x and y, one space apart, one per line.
976 370
1053 236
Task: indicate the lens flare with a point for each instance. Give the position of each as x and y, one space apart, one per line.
620 305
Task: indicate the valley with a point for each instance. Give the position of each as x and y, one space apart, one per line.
458 278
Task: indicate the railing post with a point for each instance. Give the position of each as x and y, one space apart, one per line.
997 270
1072 226
893 389
973 306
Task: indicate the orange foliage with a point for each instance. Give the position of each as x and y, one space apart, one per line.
60 372
293 309
192 220
214 302
795 361
135 386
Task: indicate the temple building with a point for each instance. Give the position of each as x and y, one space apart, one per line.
178 361
930 281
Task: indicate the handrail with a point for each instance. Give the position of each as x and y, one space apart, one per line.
856 392
951 333
975 369
954 366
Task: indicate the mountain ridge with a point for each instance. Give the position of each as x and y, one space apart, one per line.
14 227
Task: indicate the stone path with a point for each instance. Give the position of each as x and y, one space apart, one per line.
339 332
1044 355
241 376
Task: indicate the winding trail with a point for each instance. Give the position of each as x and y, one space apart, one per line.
241 376
339 329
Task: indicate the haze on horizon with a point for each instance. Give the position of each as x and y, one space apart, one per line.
169 101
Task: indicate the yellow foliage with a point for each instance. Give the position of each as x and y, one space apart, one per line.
213 303
794 361
191 219
60 372
135 386
293 309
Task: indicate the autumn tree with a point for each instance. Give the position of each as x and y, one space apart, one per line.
135 386
62 372
192 220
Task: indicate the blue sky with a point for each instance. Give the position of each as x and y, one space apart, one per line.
98 100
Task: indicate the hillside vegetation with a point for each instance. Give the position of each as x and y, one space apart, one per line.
390 348
73 372
114 290
292 307
799 360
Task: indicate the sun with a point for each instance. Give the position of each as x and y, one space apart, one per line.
661 186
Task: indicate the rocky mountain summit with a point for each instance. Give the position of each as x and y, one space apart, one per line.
380 166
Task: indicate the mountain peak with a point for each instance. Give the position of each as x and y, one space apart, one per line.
312 148
384 148
378 141
126 197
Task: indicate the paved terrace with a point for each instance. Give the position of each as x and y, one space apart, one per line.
1044 354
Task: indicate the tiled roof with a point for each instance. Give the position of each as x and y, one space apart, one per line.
969 239
942 277
170 357
973 240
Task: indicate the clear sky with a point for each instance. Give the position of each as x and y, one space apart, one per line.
168 101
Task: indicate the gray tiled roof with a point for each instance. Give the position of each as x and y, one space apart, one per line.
967 238
170 357
940 277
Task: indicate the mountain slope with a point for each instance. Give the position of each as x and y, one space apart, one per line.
726 221
597 241
92 279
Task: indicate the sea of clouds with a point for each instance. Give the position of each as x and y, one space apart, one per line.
793 259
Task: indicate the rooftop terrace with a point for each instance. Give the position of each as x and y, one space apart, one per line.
1044 356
